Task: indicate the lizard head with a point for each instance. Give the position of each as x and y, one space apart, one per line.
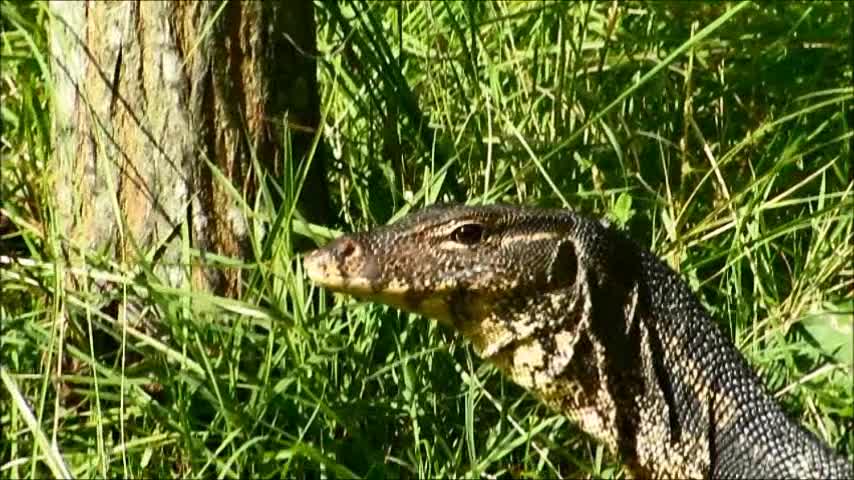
517 282
453 263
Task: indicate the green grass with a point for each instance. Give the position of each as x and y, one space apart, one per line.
717 134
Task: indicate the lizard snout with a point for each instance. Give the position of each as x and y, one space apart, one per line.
343 263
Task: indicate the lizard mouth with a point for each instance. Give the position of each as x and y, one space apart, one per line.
344 266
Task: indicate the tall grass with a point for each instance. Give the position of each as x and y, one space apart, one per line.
717 134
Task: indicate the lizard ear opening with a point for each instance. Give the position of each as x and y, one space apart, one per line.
564 265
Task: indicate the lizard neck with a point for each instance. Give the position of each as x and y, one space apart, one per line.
640 366
546 345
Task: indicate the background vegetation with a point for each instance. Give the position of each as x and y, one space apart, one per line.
717 134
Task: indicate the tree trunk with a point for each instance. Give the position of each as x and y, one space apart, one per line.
147 93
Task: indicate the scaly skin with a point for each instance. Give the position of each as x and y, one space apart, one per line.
598 328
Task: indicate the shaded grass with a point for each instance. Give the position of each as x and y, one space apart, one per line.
729 155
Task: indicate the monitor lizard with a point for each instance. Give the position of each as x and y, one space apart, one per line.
597 327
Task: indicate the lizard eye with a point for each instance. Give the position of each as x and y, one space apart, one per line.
468 234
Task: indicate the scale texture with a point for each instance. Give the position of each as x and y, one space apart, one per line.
598 328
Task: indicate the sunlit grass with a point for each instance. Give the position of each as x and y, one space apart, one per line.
716 134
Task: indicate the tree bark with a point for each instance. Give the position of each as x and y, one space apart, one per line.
147 93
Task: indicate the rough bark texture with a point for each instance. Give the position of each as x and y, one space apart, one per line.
147 93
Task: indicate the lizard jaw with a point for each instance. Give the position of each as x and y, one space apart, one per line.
342 266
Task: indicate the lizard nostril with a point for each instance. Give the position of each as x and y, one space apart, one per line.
346 248
348 253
